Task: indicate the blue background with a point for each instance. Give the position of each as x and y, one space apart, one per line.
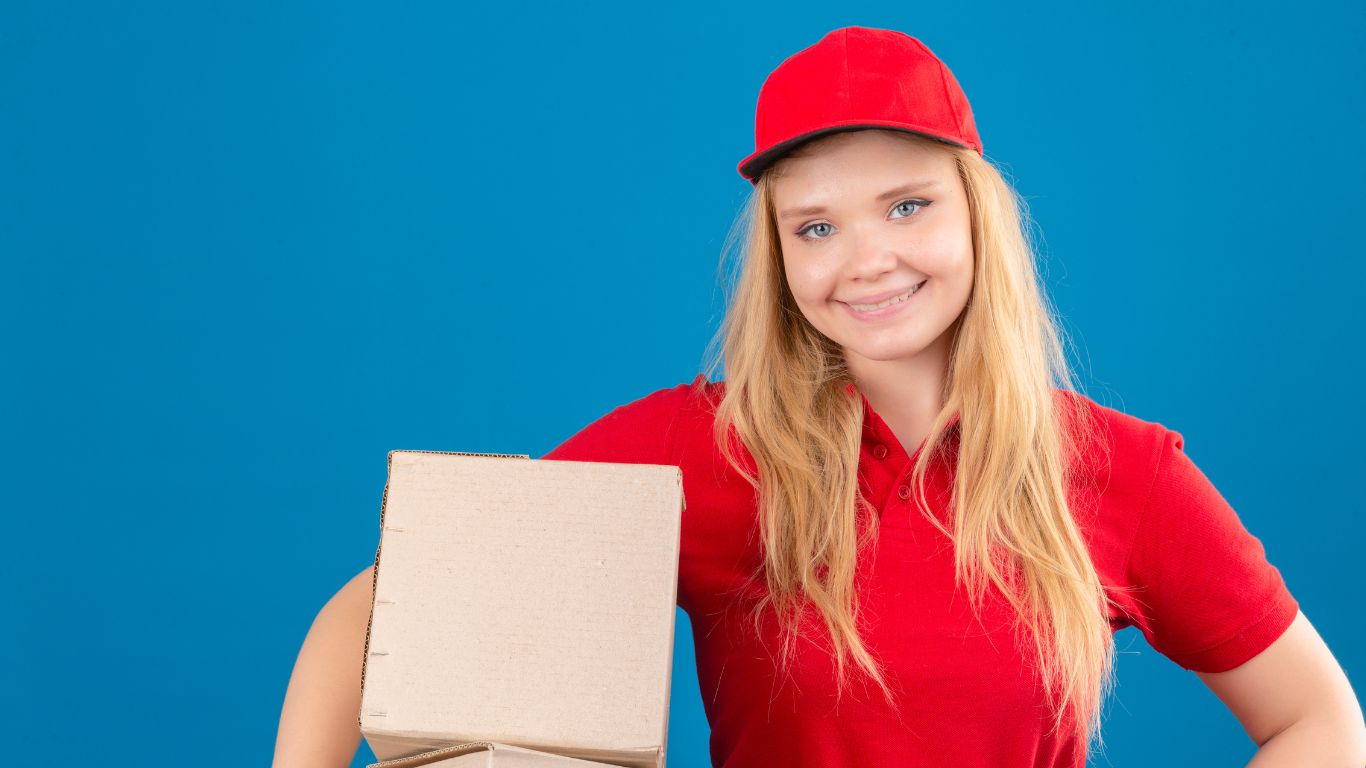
248 249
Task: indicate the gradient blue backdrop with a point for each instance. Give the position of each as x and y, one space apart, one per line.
248 249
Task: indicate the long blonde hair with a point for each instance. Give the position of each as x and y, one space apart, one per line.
787 399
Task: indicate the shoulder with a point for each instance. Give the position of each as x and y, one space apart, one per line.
1119 430
639 431
698 396
1123 451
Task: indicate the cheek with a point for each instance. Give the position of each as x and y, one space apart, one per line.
809 280
948 254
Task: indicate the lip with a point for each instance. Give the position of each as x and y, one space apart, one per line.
875 298
885 312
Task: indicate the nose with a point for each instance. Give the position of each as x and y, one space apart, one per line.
872 257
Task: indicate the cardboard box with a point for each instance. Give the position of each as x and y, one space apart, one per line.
523 605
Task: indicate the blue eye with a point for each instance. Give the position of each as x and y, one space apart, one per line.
918 204
800 232
915 203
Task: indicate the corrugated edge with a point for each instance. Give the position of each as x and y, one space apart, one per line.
461 453
374 584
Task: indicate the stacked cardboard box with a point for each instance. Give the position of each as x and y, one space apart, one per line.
523 612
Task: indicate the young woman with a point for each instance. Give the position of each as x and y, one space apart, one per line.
906 541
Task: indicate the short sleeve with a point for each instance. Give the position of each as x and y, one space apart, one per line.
639 432
1208 598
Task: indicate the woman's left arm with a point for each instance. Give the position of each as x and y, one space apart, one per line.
1295 702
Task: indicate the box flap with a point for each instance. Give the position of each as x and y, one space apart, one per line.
485 754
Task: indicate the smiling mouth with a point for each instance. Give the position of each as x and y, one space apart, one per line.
888 302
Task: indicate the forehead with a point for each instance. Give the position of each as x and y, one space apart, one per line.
859 163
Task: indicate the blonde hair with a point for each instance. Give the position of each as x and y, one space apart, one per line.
787 399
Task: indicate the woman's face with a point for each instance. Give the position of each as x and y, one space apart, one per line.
865 216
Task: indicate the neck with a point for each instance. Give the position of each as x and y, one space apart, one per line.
908 393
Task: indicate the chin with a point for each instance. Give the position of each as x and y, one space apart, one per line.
886 356
893 349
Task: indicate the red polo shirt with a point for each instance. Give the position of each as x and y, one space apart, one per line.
1202 593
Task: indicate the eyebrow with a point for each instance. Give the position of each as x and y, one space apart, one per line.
913 186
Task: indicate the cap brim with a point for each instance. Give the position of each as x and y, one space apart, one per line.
754 165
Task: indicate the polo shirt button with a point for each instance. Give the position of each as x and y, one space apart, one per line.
904 492
879 452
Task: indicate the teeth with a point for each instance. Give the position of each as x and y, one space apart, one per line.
888 302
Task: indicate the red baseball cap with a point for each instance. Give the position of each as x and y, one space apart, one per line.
858 77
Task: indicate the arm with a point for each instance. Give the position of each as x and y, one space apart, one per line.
319 722
1295 703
